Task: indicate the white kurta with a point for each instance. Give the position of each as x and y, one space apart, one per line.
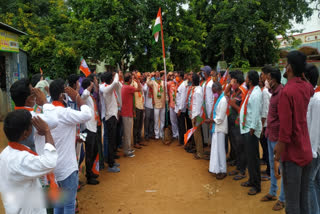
20 171
218 162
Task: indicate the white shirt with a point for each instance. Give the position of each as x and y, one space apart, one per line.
64 136
147 100
209 99
102 102
313 120
266 95
91 125
221 119
52 121
20 171
197 102
110 98
181 97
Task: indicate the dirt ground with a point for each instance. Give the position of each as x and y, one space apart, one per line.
165 179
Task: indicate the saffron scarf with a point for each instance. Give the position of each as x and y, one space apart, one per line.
246 107
54 192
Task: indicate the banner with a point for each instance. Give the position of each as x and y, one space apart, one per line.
9 41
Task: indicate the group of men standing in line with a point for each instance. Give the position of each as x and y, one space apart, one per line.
51 122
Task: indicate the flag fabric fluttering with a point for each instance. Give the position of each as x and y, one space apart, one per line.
84 68
224 78
41 72
157 26
188 134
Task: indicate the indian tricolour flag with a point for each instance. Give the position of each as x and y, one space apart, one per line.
157 26
188 134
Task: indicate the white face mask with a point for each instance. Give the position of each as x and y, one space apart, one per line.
267 85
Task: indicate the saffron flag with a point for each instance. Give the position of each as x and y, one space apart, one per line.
224 78
188 134
84 68
95 167
202 116
41 72
157 26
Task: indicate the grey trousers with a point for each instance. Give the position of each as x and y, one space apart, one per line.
206 133
296 183
127 131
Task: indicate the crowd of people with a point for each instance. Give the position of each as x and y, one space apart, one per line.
212 114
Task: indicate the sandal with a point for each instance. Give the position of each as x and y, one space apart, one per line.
239 177
265 178
246 184
268 197
278 206
234 172
253 191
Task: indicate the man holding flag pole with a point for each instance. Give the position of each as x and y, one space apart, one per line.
155 32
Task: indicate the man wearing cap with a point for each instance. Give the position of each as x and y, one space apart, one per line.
208 99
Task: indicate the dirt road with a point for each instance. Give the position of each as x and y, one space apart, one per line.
165 179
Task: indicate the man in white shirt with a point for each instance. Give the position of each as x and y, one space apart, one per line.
207 101
21 168
90 128
266 95
250 128
111 117
313 120
64 135
149 112
195 111
158 88
219 128
181 106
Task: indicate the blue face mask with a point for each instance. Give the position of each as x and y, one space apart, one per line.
29 141
158 78
202 74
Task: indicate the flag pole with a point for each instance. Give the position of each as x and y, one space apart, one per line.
164 57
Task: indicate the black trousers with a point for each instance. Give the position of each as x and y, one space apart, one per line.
137 126
112 139
253 159
149 123
182 127
119 134
191 142
100 150
91 146
237 143
264 145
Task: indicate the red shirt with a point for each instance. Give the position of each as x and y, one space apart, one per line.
127 93
293 106
272 131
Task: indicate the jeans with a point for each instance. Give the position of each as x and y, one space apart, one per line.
273 184
296 187
314 186
69 186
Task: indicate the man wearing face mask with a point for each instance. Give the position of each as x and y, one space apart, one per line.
207 101
264 113
293 146
90 127
21 167
250 128
158 88
180 107
272 134
219 128
26 97
64 135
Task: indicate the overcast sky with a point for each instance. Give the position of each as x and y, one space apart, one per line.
311 24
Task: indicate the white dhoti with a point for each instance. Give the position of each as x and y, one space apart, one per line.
174 123
218 162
